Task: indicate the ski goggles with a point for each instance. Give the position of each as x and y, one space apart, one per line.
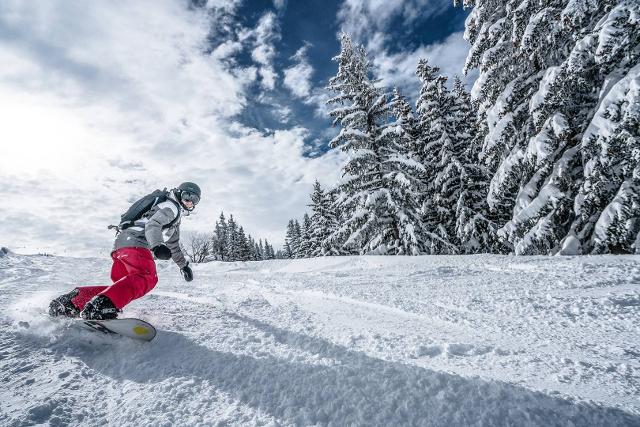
190 197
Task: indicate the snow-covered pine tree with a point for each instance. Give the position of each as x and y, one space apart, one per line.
248 248
474 231
260 250
289 240
233 246
256 251
244 251
608 204
609 200
434 109
305 237
510 70
319 231
323 222
360 111
272 252
545 66
243 254
220 239
268 250
337 216
372 217
251 245
296 243
403 177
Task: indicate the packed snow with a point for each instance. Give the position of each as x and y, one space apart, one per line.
389 341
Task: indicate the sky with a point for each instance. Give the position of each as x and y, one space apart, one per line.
102 102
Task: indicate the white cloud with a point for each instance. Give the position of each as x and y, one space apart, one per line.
227 49
318 98
280 4
266 33
268 76
284 113
399 69
227 6
259 41
103 102
298 77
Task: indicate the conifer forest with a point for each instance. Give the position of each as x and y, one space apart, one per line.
540 156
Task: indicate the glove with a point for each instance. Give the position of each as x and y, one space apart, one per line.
162 252
187 273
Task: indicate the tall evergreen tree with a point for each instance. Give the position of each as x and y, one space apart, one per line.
268 250
290 239
251 245
403 178
374 218
243 248
233 242
545 67
305 237
260 252
220 238
319 227
296 244
474 231
434 109
323 223
360 111
608 205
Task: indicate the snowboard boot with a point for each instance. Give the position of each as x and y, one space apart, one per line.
62 306
99 307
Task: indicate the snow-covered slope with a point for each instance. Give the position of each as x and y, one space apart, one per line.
444 340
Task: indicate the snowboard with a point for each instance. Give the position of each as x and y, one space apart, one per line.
128 327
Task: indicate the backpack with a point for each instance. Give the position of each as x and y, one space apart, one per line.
143 205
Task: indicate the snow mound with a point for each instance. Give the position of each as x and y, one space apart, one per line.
571 246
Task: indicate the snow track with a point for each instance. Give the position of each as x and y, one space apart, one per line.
484 340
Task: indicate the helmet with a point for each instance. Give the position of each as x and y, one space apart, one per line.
188 191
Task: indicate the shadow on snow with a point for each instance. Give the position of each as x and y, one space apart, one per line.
351 389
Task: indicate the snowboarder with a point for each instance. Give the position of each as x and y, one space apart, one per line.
150 227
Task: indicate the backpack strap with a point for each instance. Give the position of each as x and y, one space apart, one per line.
173 221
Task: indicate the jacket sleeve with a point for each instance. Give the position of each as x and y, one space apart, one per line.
153 229
176 252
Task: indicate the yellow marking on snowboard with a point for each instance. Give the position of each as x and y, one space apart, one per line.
140 330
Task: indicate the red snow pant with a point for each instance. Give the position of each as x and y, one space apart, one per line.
133 274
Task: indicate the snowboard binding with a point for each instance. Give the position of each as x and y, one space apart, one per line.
99 307
62 305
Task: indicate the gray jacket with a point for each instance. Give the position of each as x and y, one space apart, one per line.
151 230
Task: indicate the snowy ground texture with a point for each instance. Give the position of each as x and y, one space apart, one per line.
389 341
